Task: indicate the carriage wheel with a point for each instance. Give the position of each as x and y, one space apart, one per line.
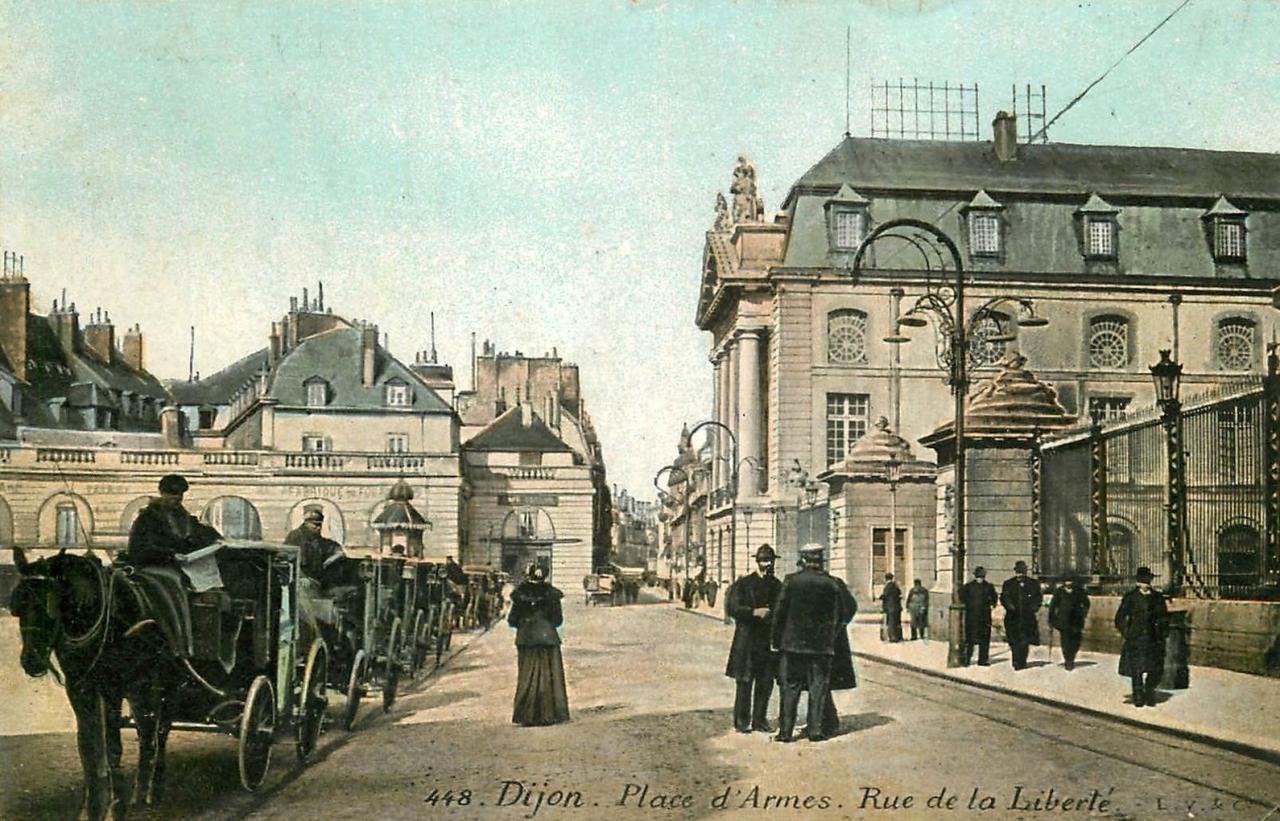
442 635
355 690
421 640
314 702
257 729
414 639
391 667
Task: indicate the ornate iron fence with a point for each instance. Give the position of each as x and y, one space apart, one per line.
1109 501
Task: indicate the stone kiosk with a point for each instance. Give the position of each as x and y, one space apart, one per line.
1004 417
878 488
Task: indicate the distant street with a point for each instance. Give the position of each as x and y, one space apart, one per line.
651 731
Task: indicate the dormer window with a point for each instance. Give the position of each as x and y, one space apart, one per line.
398 395
1226 225
847 220
317 392
1098 218
983 216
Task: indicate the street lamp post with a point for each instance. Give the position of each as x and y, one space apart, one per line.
892 471
946 306
1167 376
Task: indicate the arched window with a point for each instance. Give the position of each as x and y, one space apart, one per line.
990 339
847 337
1108 342
1236 343
233 517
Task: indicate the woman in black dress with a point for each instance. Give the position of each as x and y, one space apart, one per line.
535 613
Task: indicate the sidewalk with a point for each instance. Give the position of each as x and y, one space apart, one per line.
1232 710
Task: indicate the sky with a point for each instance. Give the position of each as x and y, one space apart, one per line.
539 173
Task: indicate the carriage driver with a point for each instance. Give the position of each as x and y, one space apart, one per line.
164 528
318 553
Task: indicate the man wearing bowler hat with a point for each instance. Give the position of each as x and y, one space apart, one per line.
752 664
165 529
808 623
1021 598
979 598
1143 620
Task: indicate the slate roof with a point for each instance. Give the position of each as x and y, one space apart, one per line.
336 357
219 388
935 165
56 370
507 433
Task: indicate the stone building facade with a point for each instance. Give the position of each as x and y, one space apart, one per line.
1126 250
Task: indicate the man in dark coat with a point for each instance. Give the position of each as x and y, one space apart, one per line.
165 529
752 664
891 604
1021 598
1143 620
918 608
812 610
319 554
1067 612
979 598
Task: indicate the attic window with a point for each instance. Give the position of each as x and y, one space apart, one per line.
1226 226
398 395
1098 229
983 217
847 219
317 393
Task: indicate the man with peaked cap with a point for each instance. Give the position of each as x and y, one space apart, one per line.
1021 598
891 601
318 552
979 598
1067 613
808 620
165 529
752 664
1143 620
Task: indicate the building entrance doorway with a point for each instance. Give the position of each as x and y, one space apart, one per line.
527 537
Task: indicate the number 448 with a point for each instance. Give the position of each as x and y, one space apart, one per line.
447 798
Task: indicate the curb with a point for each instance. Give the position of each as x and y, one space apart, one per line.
1242 748
705 615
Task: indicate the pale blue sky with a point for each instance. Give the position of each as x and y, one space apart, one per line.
541 173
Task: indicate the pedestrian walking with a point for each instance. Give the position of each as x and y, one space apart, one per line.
712 588
891 604
979 598
918 610
808 620
1021 599
1067 613
752 663
1143 620
541 697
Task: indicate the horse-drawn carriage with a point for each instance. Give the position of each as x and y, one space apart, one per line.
427 609
362 618
598 588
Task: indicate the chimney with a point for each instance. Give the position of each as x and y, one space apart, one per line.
526 413
274 345
368 349
1005 136
133 348
66 324
171 426
15 306
100 337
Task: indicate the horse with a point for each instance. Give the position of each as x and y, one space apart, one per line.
84 623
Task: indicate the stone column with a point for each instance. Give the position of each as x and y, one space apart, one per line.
732 355
717 398
726 447
749 410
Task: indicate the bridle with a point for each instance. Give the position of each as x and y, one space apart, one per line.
98 631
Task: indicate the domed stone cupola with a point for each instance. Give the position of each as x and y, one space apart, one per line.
399 524
880 454
1012 407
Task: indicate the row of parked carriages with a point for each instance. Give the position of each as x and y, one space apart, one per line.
267 667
